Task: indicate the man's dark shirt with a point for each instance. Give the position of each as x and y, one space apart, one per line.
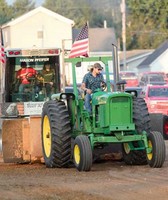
92 82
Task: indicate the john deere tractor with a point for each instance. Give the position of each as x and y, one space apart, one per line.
71 133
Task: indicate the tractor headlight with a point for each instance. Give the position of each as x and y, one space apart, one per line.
64 96
102 100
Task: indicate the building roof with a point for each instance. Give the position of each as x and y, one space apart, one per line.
134 54
151 58
35 11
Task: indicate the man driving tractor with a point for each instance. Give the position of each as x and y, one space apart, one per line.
92 81
23 75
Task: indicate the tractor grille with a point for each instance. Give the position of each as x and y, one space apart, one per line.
162 106
119 99
120 110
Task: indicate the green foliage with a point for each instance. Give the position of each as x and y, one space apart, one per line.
77 10
5 12
18 8
147 23
81 11
21 7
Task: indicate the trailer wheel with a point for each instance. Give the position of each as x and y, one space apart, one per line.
157 155
142 123
82 153
56 134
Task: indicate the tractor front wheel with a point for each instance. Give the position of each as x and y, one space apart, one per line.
156 156
56 134
82 153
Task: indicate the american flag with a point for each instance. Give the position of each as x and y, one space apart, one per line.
2 50
81 44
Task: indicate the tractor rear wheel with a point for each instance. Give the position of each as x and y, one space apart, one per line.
142 123
157 155
56 134
141 115
82 153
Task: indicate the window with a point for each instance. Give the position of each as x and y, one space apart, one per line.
40 34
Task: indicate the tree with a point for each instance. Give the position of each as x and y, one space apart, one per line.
147 23
79 11
5 12
21 7
85 10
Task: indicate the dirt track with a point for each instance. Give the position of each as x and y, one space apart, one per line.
109 180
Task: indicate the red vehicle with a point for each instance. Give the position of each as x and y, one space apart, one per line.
156 98
165 75
130 77
152 78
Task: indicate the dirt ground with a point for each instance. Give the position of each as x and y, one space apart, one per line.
112 180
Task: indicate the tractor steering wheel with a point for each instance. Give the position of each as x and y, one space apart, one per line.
30 78
103 86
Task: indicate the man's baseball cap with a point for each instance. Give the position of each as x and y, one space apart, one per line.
97 65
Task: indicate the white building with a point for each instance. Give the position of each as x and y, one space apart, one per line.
157 61
40 28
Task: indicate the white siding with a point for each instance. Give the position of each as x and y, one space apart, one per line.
25 34
161 63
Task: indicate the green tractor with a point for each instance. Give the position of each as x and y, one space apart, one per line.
69 132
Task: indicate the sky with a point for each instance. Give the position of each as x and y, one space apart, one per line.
38 2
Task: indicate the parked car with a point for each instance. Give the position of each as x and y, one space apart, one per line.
130 77
152 78
156 98
165 76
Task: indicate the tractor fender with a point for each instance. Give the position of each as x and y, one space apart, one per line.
62 96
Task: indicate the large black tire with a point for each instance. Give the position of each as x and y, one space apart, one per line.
82 153
56 134
142 123
157 155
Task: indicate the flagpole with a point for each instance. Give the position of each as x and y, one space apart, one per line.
1 68
2 65
123 11
88 39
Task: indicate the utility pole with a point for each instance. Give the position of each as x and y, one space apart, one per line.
123 11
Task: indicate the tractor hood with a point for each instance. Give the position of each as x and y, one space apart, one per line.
103 97
115 110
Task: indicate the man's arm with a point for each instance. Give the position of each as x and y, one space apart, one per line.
83 87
